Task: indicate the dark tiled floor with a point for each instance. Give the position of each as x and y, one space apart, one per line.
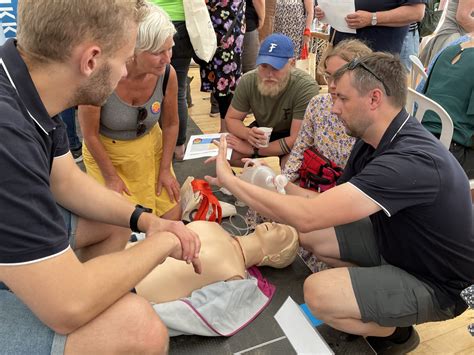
288 282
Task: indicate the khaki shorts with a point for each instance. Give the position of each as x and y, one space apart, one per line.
385 294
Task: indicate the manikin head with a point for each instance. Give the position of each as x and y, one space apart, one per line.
274 64
85 42
277 243
341 54
154 45
367 89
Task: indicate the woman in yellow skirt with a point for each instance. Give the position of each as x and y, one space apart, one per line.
125 149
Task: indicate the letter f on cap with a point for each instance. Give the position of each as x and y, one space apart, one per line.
272 46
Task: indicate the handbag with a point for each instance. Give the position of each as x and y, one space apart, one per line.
431 19
317 172
303 62
198 203
200 29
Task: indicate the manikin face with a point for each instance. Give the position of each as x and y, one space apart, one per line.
104 79
351 107
271 81
155 63
279 243
332 65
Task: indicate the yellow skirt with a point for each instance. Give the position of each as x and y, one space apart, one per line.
137 162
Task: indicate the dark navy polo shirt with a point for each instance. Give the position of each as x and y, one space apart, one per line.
31 227
380 38
425 225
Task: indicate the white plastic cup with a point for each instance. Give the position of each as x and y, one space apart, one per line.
268 133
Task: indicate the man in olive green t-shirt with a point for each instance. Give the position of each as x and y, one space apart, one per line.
277 94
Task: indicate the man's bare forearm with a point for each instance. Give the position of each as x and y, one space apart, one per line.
401 16
86 289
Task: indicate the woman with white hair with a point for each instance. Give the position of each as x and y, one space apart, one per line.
125 148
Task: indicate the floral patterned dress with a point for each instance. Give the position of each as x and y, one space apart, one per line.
324 131
290 20
223 72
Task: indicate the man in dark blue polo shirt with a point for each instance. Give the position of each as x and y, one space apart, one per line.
408 261
381 24
71 52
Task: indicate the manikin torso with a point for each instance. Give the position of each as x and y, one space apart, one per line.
175 279
223 258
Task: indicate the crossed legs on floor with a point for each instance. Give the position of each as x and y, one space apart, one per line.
130 325
329 294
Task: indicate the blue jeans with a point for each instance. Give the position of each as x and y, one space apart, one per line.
69 118
411 44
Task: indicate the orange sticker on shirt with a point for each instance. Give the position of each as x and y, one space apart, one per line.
155 107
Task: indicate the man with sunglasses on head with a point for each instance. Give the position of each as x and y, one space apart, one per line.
397 229
65 279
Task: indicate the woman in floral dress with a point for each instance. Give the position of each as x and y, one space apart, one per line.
221 75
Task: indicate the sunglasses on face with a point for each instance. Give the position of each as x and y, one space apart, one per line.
357 63
141 117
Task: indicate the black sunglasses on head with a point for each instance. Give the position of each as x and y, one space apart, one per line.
357 63
141 117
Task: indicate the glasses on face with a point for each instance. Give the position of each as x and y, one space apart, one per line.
141 117
357 63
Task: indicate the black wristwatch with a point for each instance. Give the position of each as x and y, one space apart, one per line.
139 209
255 153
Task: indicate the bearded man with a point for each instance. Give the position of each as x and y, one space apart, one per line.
277 93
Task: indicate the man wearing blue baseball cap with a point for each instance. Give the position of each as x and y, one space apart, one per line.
277 93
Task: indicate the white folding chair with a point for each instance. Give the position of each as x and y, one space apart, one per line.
417 70
424 104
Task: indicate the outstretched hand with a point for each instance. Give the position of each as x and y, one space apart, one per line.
223 170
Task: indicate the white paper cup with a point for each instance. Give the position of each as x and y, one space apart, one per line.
268 133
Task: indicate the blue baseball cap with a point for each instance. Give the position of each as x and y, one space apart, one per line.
275 50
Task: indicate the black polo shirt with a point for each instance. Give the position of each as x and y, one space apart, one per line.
31 227
425 225
380 38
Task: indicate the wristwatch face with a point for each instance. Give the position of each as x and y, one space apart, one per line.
374 19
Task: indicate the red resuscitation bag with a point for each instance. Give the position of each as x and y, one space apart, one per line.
210 208
198 202
317 172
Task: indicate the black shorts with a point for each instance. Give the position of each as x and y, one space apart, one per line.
385 294
465 157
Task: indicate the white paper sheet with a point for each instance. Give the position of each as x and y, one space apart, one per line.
201 145
335 13
303 337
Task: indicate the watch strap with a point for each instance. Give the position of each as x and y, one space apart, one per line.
255 153
139 209
374 19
